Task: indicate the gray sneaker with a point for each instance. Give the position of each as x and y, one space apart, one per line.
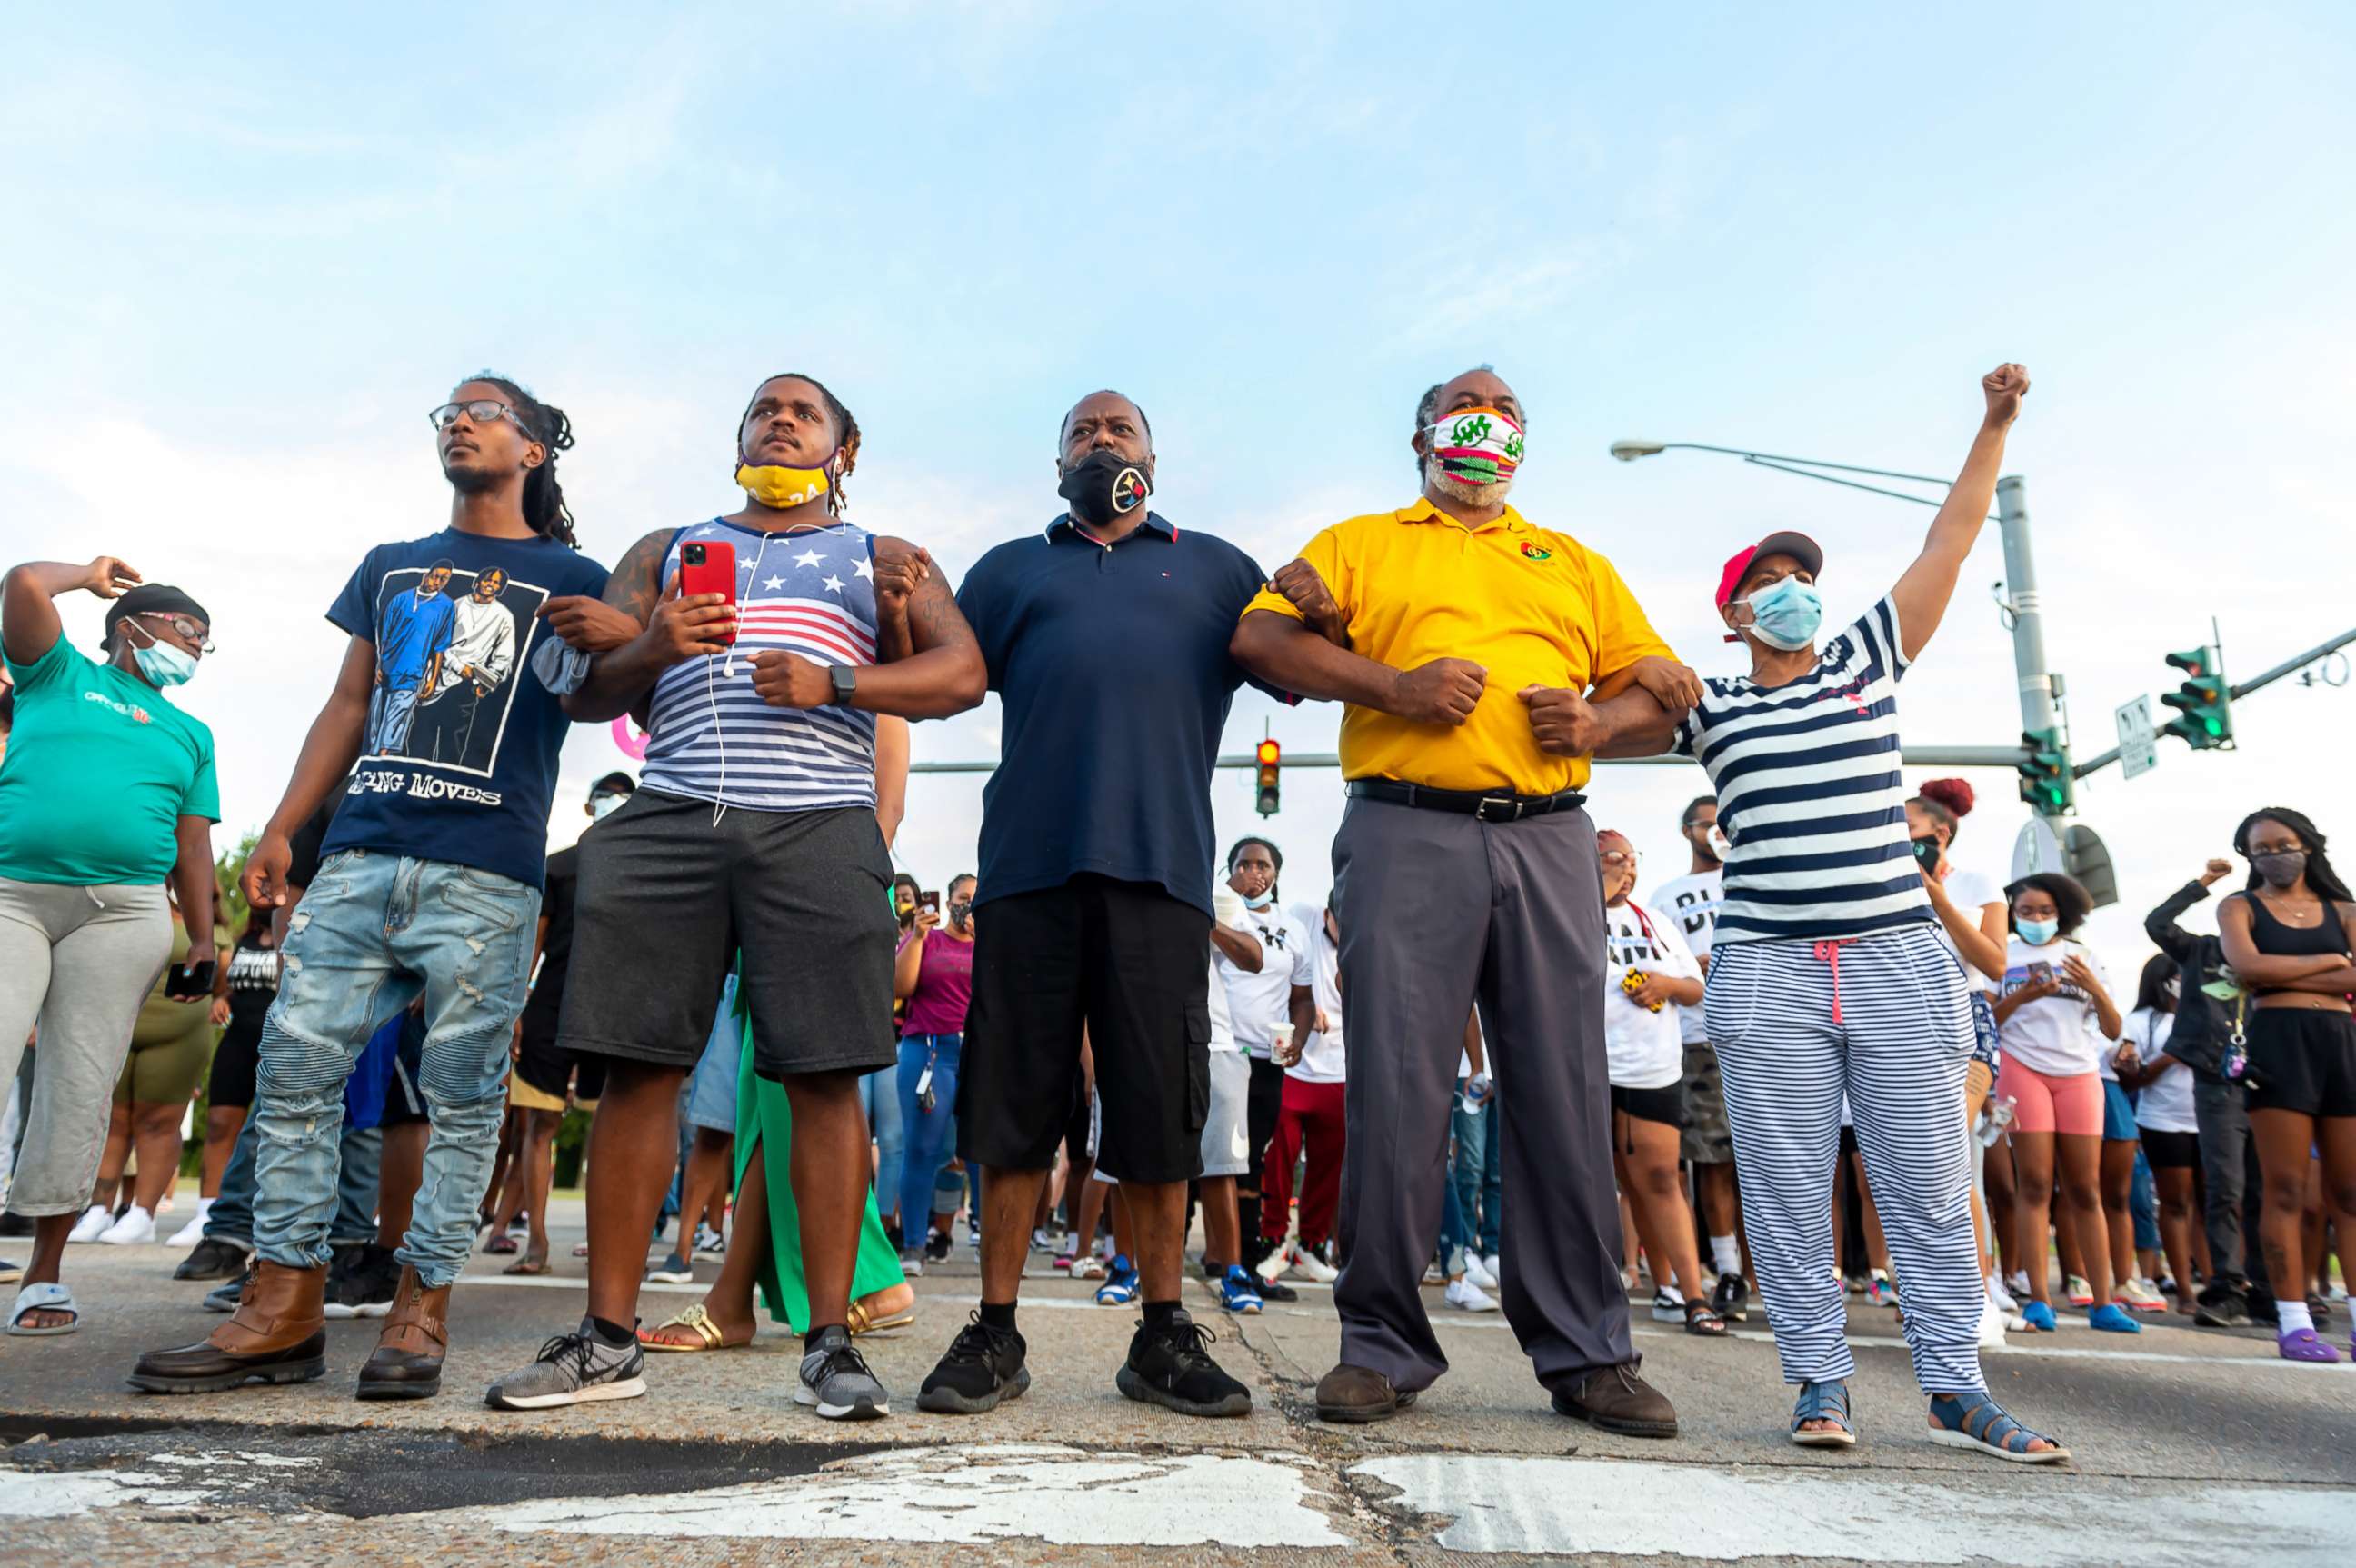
835 1381
572 1369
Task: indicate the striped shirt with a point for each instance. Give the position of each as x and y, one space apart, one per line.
810 592
1809 793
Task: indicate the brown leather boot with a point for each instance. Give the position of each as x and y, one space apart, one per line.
1355 1394
408 1360
279 1334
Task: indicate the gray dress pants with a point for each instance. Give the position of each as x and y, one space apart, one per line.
1440 911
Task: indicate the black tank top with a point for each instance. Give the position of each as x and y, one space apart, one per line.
2276 939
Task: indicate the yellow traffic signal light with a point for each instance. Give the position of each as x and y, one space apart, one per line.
1270 758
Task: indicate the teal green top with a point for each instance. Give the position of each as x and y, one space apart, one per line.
99 769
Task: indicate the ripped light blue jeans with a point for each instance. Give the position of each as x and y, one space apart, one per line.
372 934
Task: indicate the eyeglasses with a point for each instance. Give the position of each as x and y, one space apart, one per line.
1621 857
194 631
481 410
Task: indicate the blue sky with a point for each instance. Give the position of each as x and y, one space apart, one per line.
245 257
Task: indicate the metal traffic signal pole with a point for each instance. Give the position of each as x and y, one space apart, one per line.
2036 711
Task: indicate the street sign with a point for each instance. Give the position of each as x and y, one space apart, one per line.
2139 750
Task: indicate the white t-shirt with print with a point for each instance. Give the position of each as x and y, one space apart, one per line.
1644 1048
2057 1036
1318 965
2165 1103
1692 901
1971 892
1258 1002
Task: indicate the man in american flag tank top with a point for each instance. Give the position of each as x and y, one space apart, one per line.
752 830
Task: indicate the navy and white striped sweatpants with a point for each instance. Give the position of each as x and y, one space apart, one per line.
1886 1018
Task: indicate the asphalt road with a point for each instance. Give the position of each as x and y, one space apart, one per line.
2191 1448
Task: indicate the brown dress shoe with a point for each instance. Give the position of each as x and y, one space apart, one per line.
1358 1394
1617 1399
279 1334
408 1360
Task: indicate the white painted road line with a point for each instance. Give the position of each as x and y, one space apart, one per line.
1067 1496
1506 1504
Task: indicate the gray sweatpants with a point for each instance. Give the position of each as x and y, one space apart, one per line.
78 961
1438 911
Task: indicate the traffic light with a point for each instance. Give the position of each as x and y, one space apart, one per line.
2045 781
2205 703
1272 757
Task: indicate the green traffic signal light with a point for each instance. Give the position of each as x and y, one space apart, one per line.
2047 785
2204 701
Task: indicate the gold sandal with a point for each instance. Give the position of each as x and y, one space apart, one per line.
698 1322
863 1322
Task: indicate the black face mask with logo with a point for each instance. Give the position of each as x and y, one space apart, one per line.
1104 486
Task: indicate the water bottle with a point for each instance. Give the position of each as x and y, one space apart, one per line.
1996 1119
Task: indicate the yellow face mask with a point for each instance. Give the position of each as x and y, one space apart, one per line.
783 488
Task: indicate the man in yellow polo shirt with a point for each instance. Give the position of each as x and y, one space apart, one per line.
1483 660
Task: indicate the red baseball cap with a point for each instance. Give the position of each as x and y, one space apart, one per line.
1798 546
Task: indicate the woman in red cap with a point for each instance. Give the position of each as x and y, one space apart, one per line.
1828 974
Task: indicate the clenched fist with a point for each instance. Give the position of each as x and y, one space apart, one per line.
1562 720
900 571
1444 691
788 680
1306 591
2005 387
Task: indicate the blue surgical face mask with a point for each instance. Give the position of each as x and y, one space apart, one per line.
1262 901
163 663
2037 933
1786 613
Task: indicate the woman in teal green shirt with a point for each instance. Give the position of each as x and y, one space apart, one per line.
107 789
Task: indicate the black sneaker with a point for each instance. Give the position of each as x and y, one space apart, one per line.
1171 1367
1732 1299
370 1275
2220 1308
983 1365
211 1259
937 1247
1275 1290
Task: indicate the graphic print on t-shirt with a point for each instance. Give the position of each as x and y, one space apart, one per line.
448 644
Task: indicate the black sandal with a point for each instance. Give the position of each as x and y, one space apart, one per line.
1701 1319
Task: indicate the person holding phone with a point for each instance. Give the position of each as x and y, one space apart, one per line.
754 830
109 792
2055 1022
933 973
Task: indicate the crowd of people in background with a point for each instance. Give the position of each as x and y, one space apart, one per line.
1823 1059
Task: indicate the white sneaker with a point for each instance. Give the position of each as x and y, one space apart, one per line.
92 1224
1273 1267
2016 1283
135 1228
191 1233
1489 1266
2143 1295
2001 1296
1479 1275
1991 1325
1313 1267
1466 1296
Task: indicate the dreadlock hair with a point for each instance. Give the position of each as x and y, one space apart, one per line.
543 498
2320 877
846 431
1274 853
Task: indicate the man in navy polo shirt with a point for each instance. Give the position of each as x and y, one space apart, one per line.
1105 637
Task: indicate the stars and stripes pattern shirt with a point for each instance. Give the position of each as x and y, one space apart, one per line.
1810 794
810 592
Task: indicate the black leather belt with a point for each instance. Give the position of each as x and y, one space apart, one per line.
1486 806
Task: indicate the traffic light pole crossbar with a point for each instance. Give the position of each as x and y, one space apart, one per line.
2291 666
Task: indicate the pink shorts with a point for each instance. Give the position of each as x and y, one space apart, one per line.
2070 1105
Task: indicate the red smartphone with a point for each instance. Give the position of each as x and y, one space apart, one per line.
710 569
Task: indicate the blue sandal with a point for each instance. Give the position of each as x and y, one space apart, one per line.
1823 1402
1975 1421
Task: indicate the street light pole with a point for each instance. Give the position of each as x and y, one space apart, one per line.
2028 616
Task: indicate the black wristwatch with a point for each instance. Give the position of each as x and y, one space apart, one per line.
845 677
